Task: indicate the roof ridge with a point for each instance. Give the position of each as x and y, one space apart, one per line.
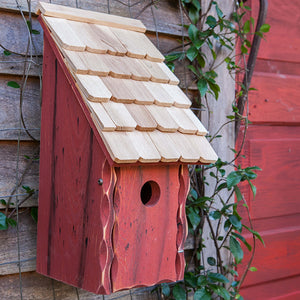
82 15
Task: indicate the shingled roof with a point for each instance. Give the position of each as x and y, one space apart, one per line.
134 99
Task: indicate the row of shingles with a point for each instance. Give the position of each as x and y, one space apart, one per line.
142 145
158 117
102 39
155 146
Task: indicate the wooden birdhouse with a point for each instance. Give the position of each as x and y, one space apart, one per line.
117 135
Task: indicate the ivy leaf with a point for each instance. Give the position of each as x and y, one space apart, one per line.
246 27
211 21
233 179
193 32
202 280
3 221
174 56
194 14
249 247
238 193
236 223
215 215
202 294
253 188
265 28
192 53
252 269
190 279
6 52
179 292
221 291
255 233
33 31
217 277
236 249
193 217
211 261
215 88
34 213
165 288
219 12
13 84
11 222
202 86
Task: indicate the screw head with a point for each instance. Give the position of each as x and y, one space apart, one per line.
100 181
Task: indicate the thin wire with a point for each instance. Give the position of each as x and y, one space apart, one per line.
17 128
108 6
155 24
13 195
129 8
182 39
18 261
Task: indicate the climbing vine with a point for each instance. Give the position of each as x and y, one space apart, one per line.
216 215
215 218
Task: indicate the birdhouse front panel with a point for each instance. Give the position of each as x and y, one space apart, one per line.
117 134
150 226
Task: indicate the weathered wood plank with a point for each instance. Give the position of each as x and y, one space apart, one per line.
37 287
154 18
9 246
27 235
14 64
10 108
8 158
14 34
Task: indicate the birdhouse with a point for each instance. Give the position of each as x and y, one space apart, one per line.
117 135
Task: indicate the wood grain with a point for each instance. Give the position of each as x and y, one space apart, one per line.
10 111
164 10
144 146
276 99
74 247
143 118
120 116
14 34
8 154
139 230
36 286
9 246
165 146
88 16
93 88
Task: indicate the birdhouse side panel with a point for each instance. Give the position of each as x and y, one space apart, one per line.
75 212
150 227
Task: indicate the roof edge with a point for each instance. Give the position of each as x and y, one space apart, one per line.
82 15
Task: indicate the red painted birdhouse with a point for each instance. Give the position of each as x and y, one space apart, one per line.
117 135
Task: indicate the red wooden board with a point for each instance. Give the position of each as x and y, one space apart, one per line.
148 240
273 143
75 217
276 100
285 289
283 42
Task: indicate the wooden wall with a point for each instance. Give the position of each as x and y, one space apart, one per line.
164 18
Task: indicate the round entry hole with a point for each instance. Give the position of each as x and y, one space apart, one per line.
150 193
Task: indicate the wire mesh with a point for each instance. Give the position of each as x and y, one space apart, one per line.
30 58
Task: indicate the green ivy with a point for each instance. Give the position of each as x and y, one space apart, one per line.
209 277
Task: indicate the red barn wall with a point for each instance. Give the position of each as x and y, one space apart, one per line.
273 143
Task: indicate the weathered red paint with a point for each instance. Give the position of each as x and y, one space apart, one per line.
144 232
101 237
273 143
275 148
